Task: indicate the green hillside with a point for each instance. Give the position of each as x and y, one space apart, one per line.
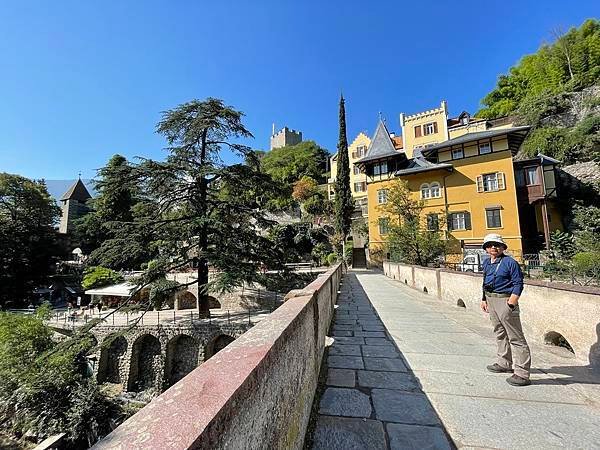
557 91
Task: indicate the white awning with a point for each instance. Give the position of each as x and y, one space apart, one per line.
116 290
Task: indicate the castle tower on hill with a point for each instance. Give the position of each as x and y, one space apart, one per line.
73 205
285 137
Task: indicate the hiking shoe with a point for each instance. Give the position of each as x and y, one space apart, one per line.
497 368
516 380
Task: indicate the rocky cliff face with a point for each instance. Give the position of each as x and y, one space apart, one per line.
574 107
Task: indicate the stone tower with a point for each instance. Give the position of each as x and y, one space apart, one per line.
73 206
285 137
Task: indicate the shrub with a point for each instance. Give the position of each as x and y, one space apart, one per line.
587 264
98 276
332 258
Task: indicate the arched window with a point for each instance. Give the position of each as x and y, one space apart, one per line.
434 190
425 190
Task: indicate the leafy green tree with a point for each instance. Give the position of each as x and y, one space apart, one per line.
97 276
343 202
200 212
289 164
44 388
409 239
29 244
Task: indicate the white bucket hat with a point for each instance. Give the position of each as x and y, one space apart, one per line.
494 237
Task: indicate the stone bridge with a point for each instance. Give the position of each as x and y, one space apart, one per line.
154 357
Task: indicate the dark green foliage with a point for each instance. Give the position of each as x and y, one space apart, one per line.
319 253
29 244
297 240
343 202
43 387
289 164
587 264
332 258
118 204
198 211
97 276
563 244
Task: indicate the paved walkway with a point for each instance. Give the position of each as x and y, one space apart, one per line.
406 371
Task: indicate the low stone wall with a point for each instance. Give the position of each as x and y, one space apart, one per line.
547 308
255 393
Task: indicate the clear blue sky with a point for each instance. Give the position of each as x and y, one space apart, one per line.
82 80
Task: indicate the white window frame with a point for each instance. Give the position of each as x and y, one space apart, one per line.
437 222
438 187
425 192
382 196
384 168
461 152
460 219
386 229
356 170
428 128
534 170
487 145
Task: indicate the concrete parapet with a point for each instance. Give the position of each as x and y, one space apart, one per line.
255 393
548 309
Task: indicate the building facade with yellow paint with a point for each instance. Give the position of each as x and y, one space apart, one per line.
464 171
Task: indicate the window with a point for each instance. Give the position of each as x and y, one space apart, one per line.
490 182
458 153
384 225
360 151
492 217
360 187
433 222
520 177
356 170
380 168
484 148
382 196
459 221
430 128
531 175
430 190
418 131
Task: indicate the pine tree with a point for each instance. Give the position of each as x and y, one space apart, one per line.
200 212
343 203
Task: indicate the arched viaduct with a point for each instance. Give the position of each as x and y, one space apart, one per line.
153 358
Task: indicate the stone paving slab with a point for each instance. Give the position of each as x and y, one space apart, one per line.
447 349
341 377
403 407
345 402
368 378
407 437
348 434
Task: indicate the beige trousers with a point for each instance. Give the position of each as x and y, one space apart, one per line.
513 351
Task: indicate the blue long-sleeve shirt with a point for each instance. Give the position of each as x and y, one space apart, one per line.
506 278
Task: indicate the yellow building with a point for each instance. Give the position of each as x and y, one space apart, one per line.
469 182
358 180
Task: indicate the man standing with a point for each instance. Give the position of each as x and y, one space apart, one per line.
502 287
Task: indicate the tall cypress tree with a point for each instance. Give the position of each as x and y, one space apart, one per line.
343 204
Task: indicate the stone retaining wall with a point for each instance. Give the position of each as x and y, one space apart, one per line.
571 311
255 393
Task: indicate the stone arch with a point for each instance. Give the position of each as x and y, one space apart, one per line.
213 303
557 339
181 358
112 355
186 300
145 364
460 303
217 344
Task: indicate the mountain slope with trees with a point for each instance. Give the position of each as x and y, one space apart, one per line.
557 91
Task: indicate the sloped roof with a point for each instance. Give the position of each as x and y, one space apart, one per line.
115 290
381 145
77 191
420 164
517 135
